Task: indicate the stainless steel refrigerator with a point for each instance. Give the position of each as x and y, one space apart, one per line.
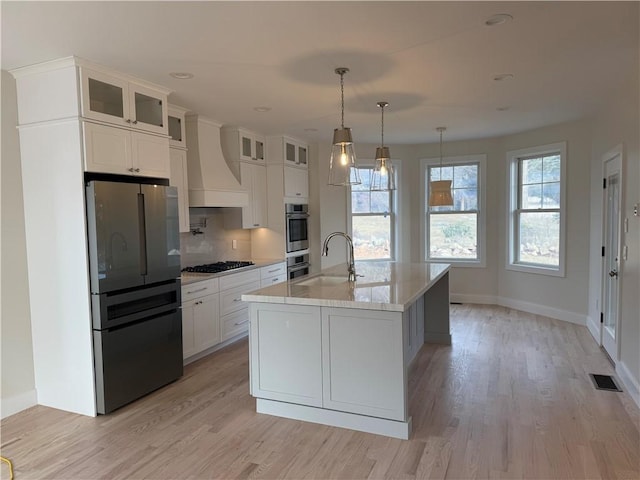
134 262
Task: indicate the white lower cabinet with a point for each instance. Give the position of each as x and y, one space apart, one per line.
234 313
363 363
273 274
347 360
200 316
286 354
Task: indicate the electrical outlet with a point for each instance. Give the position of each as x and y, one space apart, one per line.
234 244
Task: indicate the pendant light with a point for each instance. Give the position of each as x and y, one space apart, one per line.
383 178
440 190
342 167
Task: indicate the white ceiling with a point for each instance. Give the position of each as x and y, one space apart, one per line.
434 62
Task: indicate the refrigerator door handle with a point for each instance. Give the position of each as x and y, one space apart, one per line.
143 235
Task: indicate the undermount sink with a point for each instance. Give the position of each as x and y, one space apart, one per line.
322 280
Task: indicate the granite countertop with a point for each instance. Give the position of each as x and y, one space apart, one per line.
188 278
389 286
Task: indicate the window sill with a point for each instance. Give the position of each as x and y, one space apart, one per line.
538 270
458 263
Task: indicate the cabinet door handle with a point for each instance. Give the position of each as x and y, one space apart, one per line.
130 169
135 122
137 170
273 271
298 194
256 224
237 299
274 279
128 120
241 323
196 291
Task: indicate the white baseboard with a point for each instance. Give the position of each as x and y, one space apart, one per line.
550 312
528 307
334 418
594 329
631 384
17 403
471 298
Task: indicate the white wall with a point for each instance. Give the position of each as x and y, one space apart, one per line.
565 297
618 124
18 384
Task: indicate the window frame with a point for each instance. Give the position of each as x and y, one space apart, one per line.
481 161
393 213
513 195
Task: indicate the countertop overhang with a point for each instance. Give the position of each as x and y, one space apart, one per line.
383 286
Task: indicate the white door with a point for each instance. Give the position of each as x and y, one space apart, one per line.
611 259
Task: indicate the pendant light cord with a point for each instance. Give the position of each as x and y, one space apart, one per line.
342 97
382 128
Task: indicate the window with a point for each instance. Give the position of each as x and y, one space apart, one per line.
454 234
536 209
372 220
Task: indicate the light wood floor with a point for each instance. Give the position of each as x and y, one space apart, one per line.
510 399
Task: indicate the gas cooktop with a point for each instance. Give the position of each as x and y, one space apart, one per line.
217 267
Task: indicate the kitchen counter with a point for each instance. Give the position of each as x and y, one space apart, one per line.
325 350
188 278
387 286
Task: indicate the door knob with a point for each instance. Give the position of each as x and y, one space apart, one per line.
613 273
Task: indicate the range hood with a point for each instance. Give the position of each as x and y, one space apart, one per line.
211 183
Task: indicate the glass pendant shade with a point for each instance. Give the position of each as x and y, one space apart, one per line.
440 190
383 177
342 167
440 193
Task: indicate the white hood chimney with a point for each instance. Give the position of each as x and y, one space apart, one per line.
211 183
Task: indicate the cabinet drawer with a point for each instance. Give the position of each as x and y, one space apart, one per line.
236 279
265 282
199 289
273 270
230 299
235 323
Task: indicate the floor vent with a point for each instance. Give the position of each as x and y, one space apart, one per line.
604 382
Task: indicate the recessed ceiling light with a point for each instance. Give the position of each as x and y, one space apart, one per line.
503 76
182 75
502 109
262 109
498 19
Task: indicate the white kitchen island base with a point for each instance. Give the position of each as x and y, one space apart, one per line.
333 418
338 353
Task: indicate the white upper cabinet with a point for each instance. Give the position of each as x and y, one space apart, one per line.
254 179
296 183
177 130
121 101
239 144
120 151
295 152
179 179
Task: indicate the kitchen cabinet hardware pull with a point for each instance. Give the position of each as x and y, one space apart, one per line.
135 122
137 169
241 323
256 224
298 194
196 291
128 120
271 271
130 169
274 279
237 299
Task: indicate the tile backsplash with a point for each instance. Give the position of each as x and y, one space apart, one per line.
215 242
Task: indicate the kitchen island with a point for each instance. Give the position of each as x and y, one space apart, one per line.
326 350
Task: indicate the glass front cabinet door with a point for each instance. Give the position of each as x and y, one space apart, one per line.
111 99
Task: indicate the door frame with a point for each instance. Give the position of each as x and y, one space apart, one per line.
617 151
